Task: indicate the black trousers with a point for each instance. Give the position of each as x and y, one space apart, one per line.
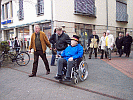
102 53
120 51
35 63
95 51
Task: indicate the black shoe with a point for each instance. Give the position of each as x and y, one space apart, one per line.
48 72
89 58
101 58
58 77
67 79
32 75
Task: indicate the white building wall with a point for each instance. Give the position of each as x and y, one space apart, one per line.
29 12
64 11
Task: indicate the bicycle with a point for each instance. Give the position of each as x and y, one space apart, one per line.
22 58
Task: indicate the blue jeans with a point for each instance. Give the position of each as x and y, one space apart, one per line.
53 59
59 52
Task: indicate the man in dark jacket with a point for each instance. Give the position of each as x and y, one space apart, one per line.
127 41
93 41
119 43
16 44
53 41
61 40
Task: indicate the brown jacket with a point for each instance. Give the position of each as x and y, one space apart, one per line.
43 39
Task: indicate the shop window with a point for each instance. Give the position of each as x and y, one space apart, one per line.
84 7
40 7
21 11
121 11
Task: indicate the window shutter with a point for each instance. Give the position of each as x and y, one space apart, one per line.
85 7
21 11
40 7
121 11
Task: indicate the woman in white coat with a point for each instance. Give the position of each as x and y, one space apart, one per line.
102 45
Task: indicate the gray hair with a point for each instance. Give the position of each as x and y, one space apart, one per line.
108 31
120 33
127 32
36 26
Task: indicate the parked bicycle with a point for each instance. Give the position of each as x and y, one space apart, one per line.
22 58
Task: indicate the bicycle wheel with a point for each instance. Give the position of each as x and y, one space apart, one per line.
22 59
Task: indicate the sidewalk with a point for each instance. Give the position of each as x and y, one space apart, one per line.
106 81
123 64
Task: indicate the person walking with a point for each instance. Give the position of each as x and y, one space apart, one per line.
93 40
119 43
102 45
53 41
62 41
39 41
109 44
16 44
127 41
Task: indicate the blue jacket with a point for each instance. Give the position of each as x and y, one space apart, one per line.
75 52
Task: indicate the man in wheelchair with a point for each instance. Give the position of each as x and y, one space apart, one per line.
72 52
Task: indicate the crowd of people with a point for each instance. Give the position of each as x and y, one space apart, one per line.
107 43
68 49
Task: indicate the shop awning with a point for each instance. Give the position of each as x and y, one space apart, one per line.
32 23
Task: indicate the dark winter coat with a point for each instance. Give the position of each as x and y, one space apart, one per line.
53 42
16 43
62 42
127 41
119 43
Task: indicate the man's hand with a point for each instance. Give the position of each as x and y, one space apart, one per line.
70 59
29 51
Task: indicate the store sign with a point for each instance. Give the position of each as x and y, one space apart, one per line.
4 22
9 21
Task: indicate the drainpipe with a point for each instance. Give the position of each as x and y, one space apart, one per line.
107 12
52 32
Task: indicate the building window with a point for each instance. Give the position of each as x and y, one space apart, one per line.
121 11
84 7
40 7
21 11
7 11
11 9
3 15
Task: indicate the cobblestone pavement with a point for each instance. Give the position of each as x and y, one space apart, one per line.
107 80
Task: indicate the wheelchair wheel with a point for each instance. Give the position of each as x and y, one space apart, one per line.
83 71
22 59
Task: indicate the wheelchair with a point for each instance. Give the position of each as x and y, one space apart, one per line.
79 71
